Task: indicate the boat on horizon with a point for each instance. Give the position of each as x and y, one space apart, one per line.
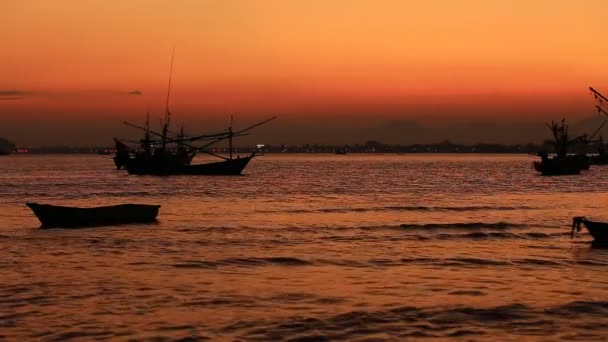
53 216
173 155
562 163
165 153
342 150
598 230
6 147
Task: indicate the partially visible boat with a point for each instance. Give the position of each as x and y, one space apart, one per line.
164 153
556 166
6 147
601 158
562 163
53 216
598 230
342 150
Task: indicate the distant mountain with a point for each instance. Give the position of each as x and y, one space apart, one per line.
6 146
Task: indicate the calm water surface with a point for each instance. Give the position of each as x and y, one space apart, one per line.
306 248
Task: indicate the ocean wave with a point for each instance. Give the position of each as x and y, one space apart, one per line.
401 208
381 262
573 309
463 225
434 322
244 262
434 235
571 320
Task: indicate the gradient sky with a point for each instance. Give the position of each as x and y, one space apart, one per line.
87 65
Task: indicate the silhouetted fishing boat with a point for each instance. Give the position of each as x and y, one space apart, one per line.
562 163
598 230
6 147
178 161
172 155
52 216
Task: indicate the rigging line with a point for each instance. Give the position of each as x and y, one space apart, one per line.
598 93
598 130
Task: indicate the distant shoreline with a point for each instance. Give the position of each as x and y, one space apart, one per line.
369 147
283 153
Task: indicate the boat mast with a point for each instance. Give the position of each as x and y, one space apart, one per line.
180 139
230 134
601 99
147 136
167 112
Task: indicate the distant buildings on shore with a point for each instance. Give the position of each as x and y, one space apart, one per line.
367 147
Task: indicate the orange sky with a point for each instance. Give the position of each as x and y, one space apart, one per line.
78 60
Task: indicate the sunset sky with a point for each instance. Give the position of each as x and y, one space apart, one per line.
71 71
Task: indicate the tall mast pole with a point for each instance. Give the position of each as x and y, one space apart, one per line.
167 112
147 136
230 135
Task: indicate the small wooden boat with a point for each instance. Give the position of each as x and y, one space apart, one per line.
52 216
598 230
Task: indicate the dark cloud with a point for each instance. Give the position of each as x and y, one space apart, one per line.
12 93
9 94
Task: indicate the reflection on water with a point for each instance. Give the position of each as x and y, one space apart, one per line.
304 247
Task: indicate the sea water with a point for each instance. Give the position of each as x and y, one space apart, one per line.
307 248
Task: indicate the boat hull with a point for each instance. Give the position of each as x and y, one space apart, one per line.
557 167
52 216
228 167
598 230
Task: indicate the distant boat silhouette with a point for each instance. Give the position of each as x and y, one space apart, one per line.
562 163
342 150
163 160
52 216
6 147
172 155
104 152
